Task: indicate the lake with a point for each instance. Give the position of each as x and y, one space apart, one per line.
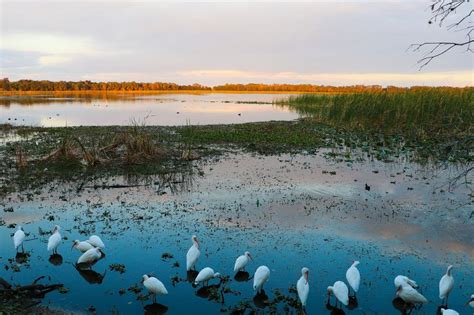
157 109
289 211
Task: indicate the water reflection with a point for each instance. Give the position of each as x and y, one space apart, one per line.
56 259
353 304
242 276
191 275
261 300
291 226
22 257
155 309
176 109
91 276
211 292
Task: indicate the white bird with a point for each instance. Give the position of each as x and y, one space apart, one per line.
471 301
18 238
404 280
302 286
410 295
55 239
205 275
261 276
340 291
95 241
448 312
446 284
353 276
81 246
90 256
242 261
154 286
193 254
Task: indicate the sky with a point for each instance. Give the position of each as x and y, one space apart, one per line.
316 42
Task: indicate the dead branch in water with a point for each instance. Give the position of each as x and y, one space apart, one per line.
25 296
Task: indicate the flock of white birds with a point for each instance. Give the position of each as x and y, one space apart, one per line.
91 250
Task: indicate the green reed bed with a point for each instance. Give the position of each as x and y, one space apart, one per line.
426 112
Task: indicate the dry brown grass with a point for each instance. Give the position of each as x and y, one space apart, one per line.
21 158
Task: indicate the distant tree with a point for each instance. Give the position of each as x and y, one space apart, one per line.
460 13
5 84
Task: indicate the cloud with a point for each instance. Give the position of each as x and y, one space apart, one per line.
46 43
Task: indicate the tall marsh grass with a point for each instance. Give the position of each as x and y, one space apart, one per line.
408 112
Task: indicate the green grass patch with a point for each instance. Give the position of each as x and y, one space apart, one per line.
424 113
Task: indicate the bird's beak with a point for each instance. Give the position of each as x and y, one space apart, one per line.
306 276
250 256
72 246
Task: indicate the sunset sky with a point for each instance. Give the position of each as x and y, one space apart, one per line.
317 42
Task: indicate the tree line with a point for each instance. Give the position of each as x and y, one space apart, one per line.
45 85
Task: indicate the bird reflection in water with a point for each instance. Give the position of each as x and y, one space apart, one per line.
191 275
211 292
56 259
155 309
91 276
333 309
403 307
353 304
22 257
261 299
242 276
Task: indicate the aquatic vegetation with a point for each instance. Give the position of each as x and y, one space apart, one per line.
424 113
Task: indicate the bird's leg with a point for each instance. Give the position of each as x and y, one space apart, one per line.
154 298
22 247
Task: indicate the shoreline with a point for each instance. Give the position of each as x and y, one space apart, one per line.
153 92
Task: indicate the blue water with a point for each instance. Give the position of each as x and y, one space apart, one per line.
138 229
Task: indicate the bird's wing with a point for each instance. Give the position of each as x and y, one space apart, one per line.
161 287
303 289
192 256
353 277
18 238
54 240
239 263
445 286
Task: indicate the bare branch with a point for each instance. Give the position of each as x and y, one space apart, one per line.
441 11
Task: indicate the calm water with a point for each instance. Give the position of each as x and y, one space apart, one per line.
162 109
288 211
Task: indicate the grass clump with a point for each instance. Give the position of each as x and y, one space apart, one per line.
424 112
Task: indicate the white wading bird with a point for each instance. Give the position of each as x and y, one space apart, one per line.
54 240
81 246
446 284
193 254
95 241
242 261
448 312
154 286
353 276
91 256
205 275
403 280
18 238
410 295
302 286
261 276
340 291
